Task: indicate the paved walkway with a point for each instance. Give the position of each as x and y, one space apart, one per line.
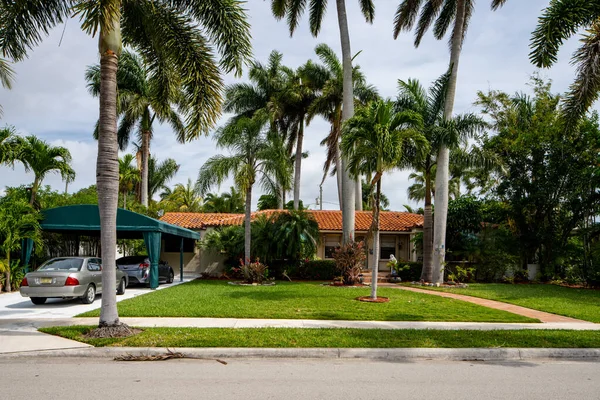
498 305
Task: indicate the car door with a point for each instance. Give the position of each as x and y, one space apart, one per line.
95 269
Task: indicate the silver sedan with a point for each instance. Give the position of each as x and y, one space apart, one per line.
68 277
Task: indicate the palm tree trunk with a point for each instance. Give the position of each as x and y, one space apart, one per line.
34 190
107 171
427 271
144 169
442 173
338 175
298 166
348 194
247 226
358 193
376 247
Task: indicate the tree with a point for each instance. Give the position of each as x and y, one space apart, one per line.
184 198
18 221
228 202
10 146
293 10
561 20
175 38
253 156
6 76
417 191
440 131
41 158
368 197
378 140
159 173
328 79
441 14
128 176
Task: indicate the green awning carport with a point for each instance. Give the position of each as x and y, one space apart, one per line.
84 220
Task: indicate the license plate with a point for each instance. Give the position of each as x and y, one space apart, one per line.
45 280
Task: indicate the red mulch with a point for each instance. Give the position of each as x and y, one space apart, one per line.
368 299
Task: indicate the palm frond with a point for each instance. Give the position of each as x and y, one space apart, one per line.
406 15
316 15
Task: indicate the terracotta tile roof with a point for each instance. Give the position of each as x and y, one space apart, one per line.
328 220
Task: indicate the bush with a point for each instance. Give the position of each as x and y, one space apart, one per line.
349 260
253 272
317 270
409 271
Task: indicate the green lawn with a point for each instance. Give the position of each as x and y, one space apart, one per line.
337 338
311 300
576 303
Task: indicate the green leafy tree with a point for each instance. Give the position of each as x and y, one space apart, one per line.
292 10
42 158
368 198
159 174
253 156
227 202
440 131
10 146
184 198
378 140
442 15
561 20
177 40
128 176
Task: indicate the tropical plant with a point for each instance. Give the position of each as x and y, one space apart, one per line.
42 158
18 221
297 235
442 14
6 77
349 260
175 38
10 146
184 198
378 140
368 198
416 191
561 20
293 10
231 202
144 96
254 157
440 132
328 79
128 176
159 173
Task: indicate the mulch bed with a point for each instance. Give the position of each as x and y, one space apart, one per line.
368 299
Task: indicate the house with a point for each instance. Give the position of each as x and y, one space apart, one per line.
397 230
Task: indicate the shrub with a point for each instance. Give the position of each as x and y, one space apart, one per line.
349 260
318 270
254 272
409 271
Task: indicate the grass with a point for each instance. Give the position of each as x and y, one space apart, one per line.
576 303
337 338
287 300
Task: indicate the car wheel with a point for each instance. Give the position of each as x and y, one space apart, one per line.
121 288
89 296
38 300
171 277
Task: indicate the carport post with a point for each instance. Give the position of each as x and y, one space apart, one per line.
152 241
181 261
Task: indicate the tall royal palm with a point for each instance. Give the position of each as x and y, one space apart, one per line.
378 140
442 14
328 79
440 132
560 21
143 97
42 158
253 157
175 38
293 10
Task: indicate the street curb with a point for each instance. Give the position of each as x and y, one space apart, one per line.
395 354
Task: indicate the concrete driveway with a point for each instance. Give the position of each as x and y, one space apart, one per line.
13 306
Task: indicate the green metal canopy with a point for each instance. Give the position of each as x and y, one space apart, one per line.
84 220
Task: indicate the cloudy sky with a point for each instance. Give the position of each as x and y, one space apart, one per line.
49 98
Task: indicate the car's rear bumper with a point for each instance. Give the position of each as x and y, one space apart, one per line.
58 291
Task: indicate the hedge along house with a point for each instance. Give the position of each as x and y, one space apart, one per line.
84 220
397 229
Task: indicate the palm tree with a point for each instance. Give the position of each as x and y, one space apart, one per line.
228 202
293 10
10 146
560 21
184 198
441 14
377 140
41 158
6 76
253 155
440 132
159 173
327 78
417 191
368 196
175 38
128 176
142 98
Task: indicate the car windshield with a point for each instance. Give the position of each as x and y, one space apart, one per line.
131 260
62 264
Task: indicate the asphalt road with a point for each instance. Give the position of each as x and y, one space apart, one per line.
71 378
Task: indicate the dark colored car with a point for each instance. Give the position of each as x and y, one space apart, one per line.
137 269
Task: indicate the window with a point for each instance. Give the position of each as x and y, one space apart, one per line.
93 265
332 242
387 247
